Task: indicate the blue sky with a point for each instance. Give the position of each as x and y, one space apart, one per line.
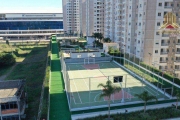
9 6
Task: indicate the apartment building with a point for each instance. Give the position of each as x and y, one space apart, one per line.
94 17
12 100
71 16
83 16
135 24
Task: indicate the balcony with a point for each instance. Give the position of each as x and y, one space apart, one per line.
177 52
164 44
164 52
177 69
178 43
165 35
163 61
177 61
168 7
163 69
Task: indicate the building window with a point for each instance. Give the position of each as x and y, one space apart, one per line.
165 13
159 14
158 23
160 4
156 51
157 33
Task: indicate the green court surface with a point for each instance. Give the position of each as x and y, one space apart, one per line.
83 92
59 109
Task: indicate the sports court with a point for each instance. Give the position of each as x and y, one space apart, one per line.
82 79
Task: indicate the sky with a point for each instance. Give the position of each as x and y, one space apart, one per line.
30 6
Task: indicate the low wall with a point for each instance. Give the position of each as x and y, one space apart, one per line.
81 60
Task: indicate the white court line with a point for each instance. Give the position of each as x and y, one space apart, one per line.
96 96
143 87
83 78
76 88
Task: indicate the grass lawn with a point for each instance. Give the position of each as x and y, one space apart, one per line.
31 67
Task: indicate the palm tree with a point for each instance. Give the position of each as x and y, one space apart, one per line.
145 97
177 97
108 90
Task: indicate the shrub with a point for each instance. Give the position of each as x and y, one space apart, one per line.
17 50
7 42
7 59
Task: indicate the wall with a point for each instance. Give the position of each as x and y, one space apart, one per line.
85 54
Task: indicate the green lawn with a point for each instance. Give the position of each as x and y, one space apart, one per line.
59 109
32 69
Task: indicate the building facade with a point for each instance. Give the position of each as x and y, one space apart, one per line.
72 16
24 25
94 17
12 100
83 17
134 24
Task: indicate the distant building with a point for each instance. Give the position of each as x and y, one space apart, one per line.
12 100
30 25
83 16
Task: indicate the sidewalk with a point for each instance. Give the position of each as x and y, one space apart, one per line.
93 114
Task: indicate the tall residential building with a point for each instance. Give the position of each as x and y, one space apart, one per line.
94 17
134 24
109 19
83 16
71 16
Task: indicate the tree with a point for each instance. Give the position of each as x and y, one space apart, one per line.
145 97
177 97
108 90
7 59
107 40
98 36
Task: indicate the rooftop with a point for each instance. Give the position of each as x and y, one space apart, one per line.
9 88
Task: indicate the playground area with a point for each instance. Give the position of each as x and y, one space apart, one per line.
82 80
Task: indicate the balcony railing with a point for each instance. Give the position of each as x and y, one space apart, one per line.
163 61
177 61
162 53
177 69
178 52
164 44
163 69
165 35
167 6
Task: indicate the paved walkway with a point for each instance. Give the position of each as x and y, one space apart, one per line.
86 115
59 109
